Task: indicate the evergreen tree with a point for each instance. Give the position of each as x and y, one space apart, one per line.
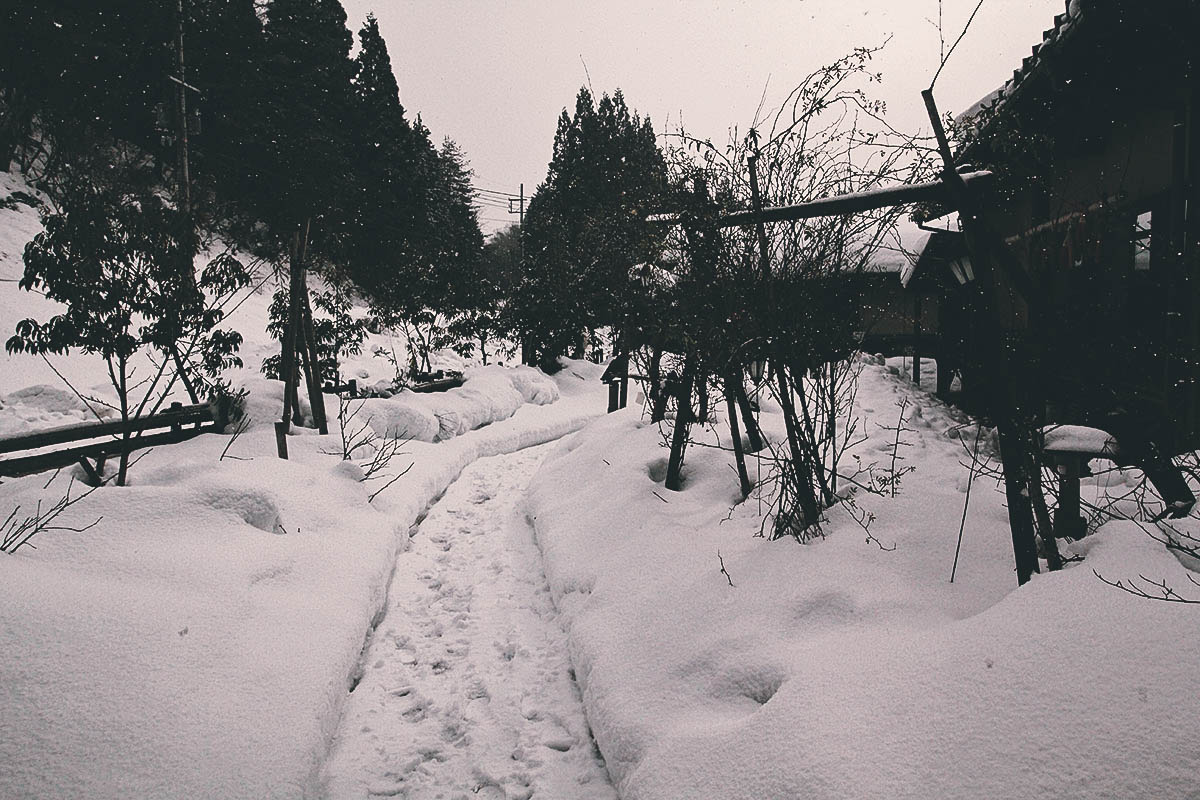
389 196
304 125
459 242
585 225
83 74
224 51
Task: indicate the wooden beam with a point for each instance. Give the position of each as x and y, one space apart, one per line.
855 202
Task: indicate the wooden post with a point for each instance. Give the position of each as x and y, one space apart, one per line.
738 456
658 397
916 369
281 432
624 398
1067 524
614 396
1015 449
945 375
764 257
92 472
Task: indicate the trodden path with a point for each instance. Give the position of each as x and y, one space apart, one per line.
467 691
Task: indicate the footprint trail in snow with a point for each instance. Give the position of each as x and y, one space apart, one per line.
467 690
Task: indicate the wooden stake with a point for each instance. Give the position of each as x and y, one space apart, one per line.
281 432
738 456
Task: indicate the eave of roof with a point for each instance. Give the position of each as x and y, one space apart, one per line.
1054 42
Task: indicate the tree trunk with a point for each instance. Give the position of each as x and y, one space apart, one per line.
658 398
183 375
123 466
683 419
1044 523
804 488
287 357
316 397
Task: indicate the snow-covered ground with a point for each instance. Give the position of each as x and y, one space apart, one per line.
467 688
838 669
202 639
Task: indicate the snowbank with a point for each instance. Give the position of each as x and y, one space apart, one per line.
200 640
489 394
836 669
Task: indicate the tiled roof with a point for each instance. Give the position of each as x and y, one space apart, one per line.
1054 40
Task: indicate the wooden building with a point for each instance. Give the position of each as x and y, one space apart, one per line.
1095 143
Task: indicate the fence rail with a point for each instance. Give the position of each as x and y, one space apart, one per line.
116 437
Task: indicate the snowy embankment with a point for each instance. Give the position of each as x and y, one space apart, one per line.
837 669
200 638
199 641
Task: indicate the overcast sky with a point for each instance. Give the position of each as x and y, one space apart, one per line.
495 75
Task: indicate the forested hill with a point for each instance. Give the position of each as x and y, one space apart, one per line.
286 129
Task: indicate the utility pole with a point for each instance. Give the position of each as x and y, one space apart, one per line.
526 349
185 192
520 219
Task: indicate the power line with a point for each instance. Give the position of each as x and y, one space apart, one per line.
496 195
492 191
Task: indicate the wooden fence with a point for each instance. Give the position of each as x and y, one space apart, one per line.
177 424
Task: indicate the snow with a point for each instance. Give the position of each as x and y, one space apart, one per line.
216 604
202 639
468 689
1078 439
836 669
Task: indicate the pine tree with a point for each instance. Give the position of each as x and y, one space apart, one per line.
389 195
83 74
585 226
224 51
306 120
459 240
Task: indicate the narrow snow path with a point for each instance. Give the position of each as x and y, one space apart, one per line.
467 689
